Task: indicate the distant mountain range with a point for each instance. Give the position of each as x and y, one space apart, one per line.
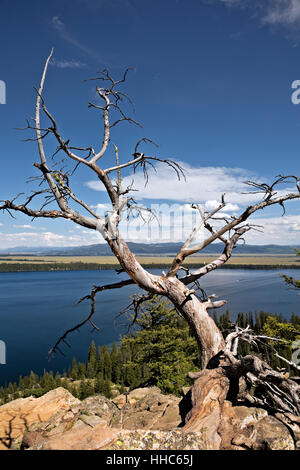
151 249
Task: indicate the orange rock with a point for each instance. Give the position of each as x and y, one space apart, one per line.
18 415
95 438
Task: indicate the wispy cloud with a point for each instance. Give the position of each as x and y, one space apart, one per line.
66 35
283 12
22 226
273 12
10 240
27 226
68 64
231 3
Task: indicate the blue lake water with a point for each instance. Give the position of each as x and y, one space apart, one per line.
36 308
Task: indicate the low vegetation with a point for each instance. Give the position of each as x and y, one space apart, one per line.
78 263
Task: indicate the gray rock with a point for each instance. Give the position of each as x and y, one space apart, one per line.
270 434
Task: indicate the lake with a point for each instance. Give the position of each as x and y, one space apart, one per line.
36 308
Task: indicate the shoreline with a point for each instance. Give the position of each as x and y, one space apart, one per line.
44 267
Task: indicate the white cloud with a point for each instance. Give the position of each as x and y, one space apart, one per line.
27 226
24 226
101 208
274 12
202 185
67 64
9 240
283 230
171 199
213 204
284 12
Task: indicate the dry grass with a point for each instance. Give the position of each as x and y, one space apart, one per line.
194 260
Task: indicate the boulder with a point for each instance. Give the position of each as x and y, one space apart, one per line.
152 411
101 407
292 422
270 434
134 396
17 416
248 416
87 438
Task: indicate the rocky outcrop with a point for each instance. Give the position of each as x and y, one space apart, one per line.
17 416
98 438
145 419
134 396
148 408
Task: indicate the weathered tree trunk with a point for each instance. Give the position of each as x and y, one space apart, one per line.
207 400
208 335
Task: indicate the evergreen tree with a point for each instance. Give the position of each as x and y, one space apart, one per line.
92 361
99 384
74 371
82 371
107 366
100 360
164 343
290 280
90 390
58 382
107 389
82 390
115 364
33 379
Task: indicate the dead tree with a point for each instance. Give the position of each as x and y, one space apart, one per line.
181 290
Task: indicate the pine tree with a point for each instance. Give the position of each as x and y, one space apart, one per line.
82 371
33 379
82 390
90 390
107 366
92 361
100 360
74 371
57 379
164 344
99 384
107 389
115 364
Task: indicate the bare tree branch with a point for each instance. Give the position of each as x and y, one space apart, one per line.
88 319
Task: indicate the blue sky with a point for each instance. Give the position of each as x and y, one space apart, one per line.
212 86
